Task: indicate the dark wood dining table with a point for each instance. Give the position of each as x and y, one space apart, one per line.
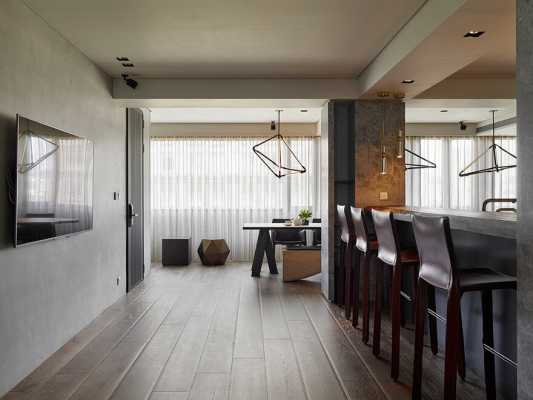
264 244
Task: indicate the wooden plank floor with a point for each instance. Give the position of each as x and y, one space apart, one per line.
215 333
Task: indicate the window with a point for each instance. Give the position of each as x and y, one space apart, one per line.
443 188
209 187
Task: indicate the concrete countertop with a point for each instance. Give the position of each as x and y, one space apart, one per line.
500 224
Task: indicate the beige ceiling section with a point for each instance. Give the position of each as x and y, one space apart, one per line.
230 38
431 47
231 129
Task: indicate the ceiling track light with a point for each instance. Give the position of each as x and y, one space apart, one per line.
132 83
128 65
122 59
473 34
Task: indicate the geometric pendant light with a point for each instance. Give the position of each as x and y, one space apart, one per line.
493 149
274 163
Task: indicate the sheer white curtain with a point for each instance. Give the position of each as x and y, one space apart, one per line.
209 187
443 188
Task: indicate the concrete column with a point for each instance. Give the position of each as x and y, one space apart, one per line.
524 38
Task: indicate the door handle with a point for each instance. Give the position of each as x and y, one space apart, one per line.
130 215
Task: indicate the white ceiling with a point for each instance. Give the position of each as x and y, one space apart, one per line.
434 115
232 115
230 38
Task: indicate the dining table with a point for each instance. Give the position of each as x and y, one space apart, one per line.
265 246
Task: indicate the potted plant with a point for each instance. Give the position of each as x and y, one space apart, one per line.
305 215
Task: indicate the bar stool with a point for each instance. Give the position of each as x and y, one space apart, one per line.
438 270
367 244
347 242
389 253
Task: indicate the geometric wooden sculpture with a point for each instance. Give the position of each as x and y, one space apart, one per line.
213 251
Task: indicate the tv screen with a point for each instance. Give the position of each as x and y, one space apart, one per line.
54 183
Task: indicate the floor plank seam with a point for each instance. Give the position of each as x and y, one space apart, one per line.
230 384
126 332
259 295
156 381
58 368
370 371
300 372
121 339
196 372
328 355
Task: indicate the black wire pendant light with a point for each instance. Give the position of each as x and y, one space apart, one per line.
424 163
495 167
277 167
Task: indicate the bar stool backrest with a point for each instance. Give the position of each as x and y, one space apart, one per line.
435 250
387 234
360 228
347 232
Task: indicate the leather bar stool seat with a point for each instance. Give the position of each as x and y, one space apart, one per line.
347 237
367 245
438 269
474 279
390 253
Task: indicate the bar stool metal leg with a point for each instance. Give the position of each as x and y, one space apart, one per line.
396 320
365 266
432 320
355 293
348 269
420 318
488 339
376 346
452 344
461 366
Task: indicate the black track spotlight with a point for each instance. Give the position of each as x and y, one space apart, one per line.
132 83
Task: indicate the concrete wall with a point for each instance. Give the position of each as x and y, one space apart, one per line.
49 291
525 197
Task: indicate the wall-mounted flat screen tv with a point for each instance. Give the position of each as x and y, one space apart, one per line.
54 183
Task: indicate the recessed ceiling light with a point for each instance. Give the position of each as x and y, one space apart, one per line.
408 81
122 59
443 110
303 110
474 34
128 65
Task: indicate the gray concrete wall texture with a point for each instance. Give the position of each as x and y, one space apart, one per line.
524 78
49 291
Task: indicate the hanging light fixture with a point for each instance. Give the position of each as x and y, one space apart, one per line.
493 148
383 160
277 167
401 144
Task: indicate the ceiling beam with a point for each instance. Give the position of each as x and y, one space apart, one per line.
431 46
159 88
430 16
231 129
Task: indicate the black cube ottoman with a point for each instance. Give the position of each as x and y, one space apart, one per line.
176 251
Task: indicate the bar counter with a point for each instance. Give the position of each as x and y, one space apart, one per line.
502 224
481 239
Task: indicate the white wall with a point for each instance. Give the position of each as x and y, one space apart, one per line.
49 291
